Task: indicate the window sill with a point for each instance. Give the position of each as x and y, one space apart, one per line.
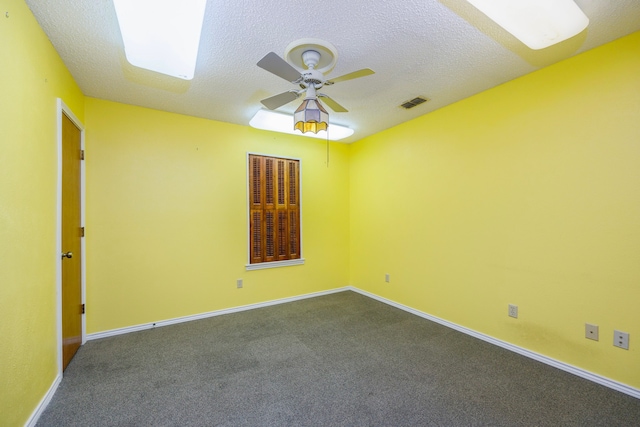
274 264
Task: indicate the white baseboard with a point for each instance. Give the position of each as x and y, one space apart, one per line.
167 322
607 382
35 416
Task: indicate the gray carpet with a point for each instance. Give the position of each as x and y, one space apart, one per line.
336 360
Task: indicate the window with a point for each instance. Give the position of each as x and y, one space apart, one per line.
274 211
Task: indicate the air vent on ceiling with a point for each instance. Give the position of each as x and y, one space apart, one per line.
414 102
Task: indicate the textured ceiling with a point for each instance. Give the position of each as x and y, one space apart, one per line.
444 50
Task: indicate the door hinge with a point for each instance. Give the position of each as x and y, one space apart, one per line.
82 307
81 231
81 154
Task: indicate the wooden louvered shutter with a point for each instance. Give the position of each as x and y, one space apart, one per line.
256 196
293 208
275 209
283 227
269 210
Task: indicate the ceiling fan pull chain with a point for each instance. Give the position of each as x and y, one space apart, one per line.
328 127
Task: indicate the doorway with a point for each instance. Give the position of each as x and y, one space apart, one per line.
71 233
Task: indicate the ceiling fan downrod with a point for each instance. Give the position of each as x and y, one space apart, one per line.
311 76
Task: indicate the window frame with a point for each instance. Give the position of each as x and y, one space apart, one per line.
273 264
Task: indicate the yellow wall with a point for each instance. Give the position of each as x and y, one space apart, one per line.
167 221
528 194
32 76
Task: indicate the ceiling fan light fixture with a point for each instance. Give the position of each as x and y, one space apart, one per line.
310 116
279 122
161 35
536 23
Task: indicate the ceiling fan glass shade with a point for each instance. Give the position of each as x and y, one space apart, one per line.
536 23
279 122
310 116
161 35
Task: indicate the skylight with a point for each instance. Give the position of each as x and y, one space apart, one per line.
162 35
278 122
536 23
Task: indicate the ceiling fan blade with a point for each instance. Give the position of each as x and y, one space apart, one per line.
279 100
354 75
332 104
278 66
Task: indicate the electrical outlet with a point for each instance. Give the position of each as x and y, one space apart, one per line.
239 283
621 339
513 311
387 278
591 331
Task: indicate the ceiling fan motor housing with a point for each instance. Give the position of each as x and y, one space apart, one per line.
312 77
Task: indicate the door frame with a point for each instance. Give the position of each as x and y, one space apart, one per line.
62 108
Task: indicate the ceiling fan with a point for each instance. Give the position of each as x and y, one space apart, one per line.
317 58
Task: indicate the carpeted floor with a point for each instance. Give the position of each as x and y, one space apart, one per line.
336 360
